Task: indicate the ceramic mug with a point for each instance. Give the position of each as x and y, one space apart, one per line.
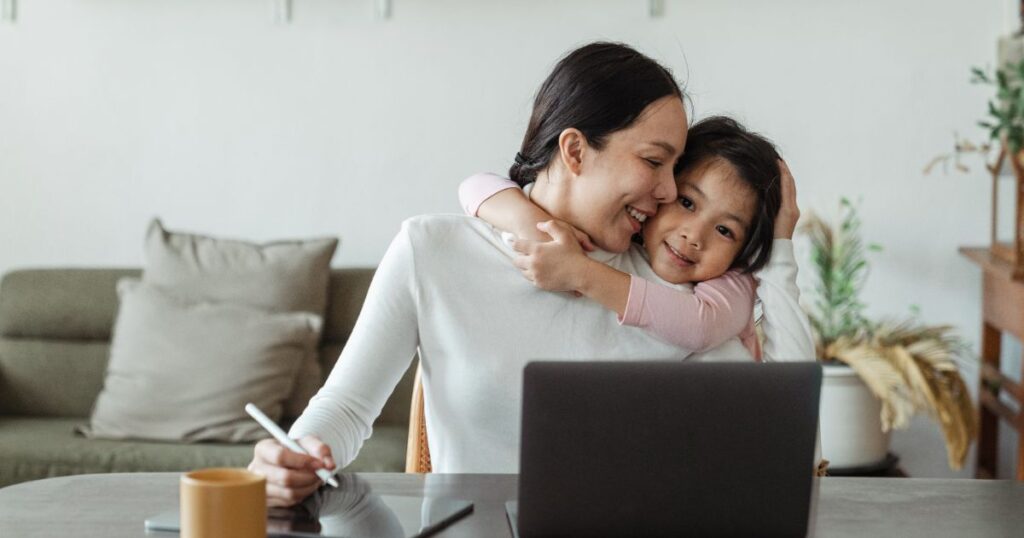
223 503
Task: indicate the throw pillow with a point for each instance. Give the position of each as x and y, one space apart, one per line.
182 371
280 276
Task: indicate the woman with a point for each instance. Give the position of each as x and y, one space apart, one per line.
607 128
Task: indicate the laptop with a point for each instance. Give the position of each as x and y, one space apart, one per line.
666 448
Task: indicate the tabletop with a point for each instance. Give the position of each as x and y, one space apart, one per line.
115 505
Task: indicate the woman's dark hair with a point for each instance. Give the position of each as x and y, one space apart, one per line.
756 162
599 88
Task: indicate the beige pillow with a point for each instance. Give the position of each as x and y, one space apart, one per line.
280 276
182 371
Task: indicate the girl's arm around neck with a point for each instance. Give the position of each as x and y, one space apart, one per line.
609 287
502 204
715 311
478 188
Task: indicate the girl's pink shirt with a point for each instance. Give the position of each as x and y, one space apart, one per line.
716 309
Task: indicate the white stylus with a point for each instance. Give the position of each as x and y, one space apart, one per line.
283 438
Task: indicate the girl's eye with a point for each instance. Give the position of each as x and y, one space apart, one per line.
724 231
686 202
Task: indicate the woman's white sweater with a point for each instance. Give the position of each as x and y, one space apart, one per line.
447 288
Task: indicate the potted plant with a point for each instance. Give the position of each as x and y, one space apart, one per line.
878 374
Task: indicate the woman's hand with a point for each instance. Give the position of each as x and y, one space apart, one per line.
556 265
789 213
291 476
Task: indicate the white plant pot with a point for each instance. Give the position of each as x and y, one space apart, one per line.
851 423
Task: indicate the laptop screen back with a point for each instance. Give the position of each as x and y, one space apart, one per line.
656 448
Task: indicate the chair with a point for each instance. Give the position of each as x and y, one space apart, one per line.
417 453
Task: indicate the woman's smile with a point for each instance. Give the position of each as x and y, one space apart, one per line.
636 218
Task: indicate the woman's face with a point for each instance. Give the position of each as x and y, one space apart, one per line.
621 185
698 238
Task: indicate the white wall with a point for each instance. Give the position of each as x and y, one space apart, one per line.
208 114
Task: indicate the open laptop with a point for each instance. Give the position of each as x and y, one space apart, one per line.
667 448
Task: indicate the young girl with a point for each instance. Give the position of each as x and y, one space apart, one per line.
719 232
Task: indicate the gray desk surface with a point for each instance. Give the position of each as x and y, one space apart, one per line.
115 505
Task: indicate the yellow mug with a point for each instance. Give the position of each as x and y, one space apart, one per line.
223 503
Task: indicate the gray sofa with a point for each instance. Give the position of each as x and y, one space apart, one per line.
55 327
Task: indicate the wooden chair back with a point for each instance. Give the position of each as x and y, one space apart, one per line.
417 453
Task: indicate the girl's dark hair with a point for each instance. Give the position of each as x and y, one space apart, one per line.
756 162
599 88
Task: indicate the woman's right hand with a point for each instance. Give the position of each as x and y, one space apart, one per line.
291 477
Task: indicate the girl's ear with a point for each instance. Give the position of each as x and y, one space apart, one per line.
571 146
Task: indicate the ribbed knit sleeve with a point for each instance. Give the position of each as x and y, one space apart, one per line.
377 354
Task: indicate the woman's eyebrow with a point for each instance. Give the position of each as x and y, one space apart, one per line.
663 145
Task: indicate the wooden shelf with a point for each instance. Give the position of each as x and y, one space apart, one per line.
988 261
1002 311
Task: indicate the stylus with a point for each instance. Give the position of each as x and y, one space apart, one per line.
283 438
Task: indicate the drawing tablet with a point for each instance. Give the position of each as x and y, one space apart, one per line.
350 511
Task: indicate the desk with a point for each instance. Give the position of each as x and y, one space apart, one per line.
115 505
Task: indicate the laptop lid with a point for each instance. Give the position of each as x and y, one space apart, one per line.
658 448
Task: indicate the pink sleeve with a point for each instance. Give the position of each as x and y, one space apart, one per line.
716 310
476 189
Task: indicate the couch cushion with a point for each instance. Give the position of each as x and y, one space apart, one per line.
52 305
56 378
345 295
34 448
280 276
70 304
182 371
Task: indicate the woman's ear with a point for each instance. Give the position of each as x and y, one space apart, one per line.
571 146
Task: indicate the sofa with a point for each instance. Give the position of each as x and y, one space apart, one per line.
55 329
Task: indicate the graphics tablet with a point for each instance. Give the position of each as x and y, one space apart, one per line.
350 511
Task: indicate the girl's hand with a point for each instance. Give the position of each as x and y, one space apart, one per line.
556 265
539 234
789 213
584 240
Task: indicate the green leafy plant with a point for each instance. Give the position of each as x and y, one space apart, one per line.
838 256
1004 119
1006 111
909 366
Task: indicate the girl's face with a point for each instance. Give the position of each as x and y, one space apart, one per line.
698 238
629 176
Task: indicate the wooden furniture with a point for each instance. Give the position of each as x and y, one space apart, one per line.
1002 311
115 505
1010 252
417 452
